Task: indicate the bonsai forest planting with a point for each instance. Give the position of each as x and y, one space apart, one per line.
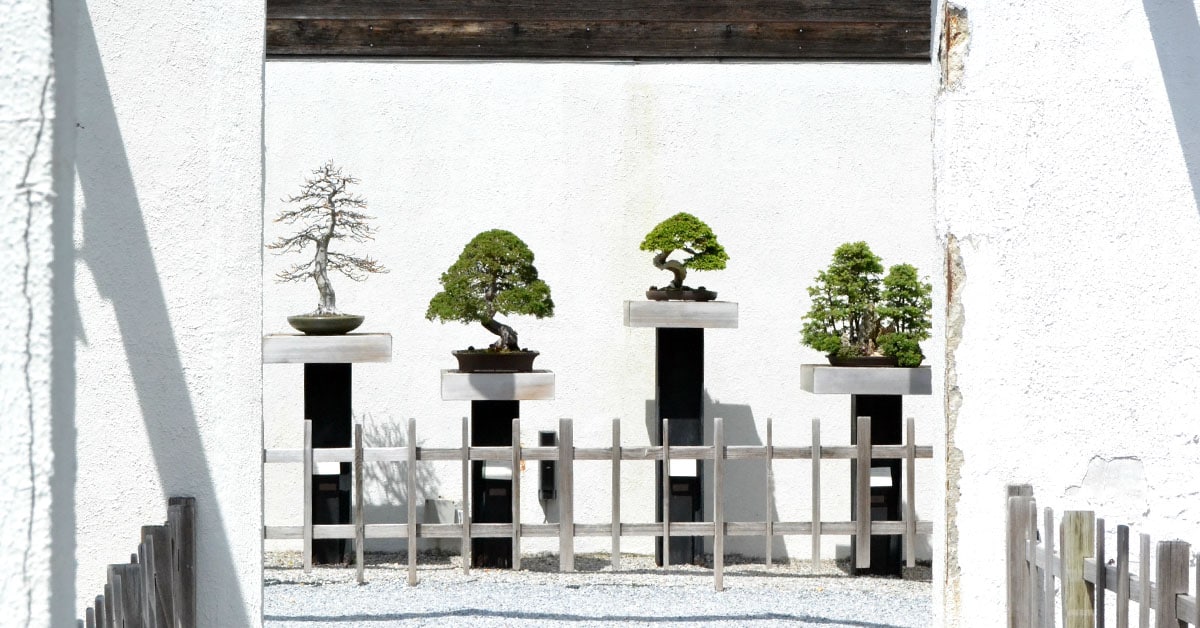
859 316
685 233
327 213
493 275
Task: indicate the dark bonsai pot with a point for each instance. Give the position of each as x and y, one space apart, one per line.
863 360
484 361
686 294
325 325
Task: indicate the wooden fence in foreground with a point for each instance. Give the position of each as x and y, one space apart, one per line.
1087 574
157 588
565 453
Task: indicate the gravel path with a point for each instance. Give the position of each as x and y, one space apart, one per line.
638 595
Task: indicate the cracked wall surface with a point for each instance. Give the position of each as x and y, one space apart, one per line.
26 208
1067 172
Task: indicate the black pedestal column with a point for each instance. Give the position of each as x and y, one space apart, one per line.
327 405
886 429
679 377
491 500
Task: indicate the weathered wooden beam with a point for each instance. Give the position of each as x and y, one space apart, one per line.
649 10
470 37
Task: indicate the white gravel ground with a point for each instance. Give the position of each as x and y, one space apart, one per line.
638 595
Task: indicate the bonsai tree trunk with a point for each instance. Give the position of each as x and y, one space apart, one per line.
328 303
676 268
508 336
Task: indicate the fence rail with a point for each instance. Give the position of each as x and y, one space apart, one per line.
565 454
157 588
1086 574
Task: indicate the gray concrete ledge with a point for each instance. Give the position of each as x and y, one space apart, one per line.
865 380
343 349
681 314
532 386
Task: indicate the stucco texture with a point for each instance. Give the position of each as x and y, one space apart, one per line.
1067 160
168 238
26 207
784 161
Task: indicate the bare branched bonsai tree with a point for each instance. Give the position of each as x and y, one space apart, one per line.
327 212
494 275
684 232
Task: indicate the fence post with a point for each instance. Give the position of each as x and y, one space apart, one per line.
1144 577
1171 580
1048 569
666 496
308 514
411 489
718 504
1101 572
910 490
816 494
1122 576
466 496
862 503
769 495
360 529
616 494
566 498
1078 543
516 494
1034 608
1019 499
181 519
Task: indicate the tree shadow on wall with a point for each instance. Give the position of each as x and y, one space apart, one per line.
1176 33
117 251
391 479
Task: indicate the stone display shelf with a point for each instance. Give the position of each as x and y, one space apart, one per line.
862 380
532 386
681 314
340 349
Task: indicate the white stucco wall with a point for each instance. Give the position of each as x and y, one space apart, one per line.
581 160
27 114
1067 167
168 236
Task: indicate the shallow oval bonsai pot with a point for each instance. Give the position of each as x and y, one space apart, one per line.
484 361
686 294
863 360
325 325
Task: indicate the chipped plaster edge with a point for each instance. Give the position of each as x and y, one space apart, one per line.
955 321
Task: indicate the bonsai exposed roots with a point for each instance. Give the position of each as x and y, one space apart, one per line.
676 267
508 336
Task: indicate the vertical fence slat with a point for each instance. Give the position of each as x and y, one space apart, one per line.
1122 576
1033 607
1078 544
360 526
1016 567
719 504
816 493
516 494
769 496
89 617
412 501
910 489
466 496
666 495
108 604
308 496
616 494
1171 578
149 609
566 496
1144 577
1196 617
1101 573
181 521
1048 531
862 503
116 595
131 592
159 539
101 613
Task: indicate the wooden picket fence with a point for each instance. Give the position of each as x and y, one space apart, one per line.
565 453
1086 575
157 588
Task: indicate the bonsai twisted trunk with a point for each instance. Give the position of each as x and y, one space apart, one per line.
328 303
508 335
676 267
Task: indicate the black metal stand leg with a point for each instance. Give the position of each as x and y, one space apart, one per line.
886 413
491 500
679 375
327 405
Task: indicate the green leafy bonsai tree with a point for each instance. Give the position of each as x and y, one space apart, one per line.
684 232
327 212
493 275
856 313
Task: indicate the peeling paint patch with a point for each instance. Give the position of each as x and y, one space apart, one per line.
1116 487
952 52
955 278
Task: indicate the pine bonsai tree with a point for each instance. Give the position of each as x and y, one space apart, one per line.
327 212
684 232
855 314
493 275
